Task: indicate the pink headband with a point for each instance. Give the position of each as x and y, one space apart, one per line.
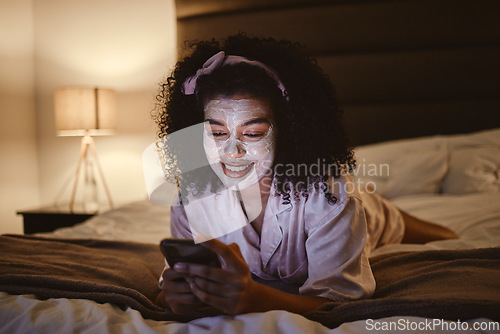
219 60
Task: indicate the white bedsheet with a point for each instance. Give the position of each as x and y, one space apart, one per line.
140 222
26 314
474 217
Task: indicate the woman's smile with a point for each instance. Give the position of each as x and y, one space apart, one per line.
236 171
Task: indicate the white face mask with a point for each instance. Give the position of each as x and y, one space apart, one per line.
238 140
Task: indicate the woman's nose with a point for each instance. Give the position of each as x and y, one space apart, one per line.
234 149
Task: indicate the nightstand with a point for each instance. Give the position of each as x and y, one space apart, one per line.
47 219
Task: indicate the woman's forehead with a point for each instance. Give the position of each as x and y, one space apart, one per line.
234 109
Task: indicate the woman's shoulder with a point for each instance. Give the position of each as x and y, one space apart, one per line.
327 201
335 190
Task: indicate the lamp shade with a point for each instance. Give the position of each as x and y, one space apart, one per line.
81 110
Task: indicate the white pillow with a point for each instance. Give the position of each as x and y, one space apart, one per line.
403 167
474 163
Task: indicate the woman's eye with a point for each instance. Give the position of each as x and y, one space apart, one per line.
254 135
218 134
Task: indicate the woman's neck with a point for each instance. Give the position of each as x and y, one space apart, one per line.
250 197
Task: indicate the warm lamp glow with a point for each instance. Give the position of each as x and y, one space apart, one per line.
84 111
81 110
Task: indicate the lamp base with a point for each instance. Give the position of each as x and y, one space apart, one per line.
88 142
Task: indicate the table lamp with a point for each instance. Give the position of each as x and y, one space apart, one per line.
85 111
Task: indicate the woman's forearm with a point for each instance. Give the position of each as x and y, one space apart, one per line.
267 299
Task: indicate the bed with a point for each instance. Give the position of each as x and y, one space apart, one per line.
405 72
451 180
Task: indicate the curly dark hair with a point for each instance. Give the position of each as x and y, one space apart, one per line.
309 121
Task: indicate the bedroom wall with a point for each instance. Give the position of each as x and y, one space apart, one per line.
126 45
18 159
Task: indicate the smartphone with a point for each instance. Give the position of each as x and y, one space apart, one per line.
185 250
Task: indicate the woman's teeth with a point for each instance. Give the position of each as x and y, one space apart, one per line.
237 168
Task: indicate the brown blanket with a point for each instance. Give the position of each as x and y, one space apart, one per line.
462 284
440 284
121 273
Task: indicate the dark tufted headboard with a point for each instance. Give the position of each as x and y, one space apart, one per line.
402 68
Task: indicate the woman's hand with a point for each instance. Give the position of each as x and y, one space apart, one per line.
230 288
176 293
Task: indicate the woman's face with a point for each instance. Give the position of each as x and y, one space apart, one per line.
239 140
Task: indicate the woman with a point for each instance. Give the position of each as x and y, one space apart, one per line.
273 128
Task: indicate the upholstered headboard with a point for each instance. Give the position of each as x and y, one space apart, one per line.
402 68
